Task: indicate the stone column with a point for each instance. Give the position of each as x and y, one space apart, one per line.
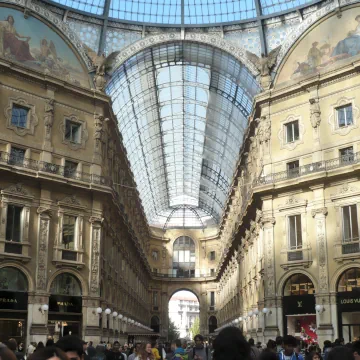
325 328
271 324
91 330
37 319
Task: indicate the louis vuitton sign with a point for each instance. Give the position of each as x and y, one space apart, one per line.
301 304
348 301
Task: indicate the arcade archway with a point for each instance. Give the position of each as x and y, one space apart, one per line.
184 315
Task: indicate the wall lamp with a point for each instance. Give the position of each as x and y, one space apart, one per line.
107 311
120 316
250 313
98 311
43 308
266 311
114 314
319 308
256 312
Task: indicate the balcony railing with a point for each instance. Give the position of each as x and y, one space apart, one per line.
350 247
188 274
7 158
324 165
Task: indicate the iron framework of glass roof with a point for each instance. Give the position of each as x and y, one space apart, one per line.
182 110
183 12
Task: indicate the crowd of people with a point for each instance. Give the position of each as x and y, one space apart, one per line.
230 344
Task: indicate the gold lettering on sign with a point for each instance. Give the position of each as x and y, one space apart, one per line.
65 303
5 300
299 304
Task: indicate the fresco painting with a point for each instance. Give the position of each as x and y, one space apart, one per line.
332 41
33 44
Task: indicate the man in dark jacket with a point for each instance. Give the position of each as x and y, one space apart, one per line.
199 351
115 353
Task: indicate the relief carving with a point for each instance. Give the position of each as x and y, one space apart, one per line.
315 113
41 277
49 118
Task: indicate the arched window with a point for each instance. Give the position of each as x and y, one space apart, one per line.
66 284
184 256
299 284
155 324
349 280
212 324
12 279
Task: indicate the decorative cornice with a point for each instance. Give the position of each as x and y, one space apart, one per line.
322 211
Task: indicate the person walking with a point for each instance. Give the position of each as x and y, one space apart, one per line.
289 353
199 351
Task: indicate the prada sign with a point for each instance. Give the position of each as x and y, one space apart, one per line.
13 300
65 304
300 304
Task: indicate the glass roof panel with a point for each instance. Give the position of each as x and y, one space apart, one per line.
217 11
90 6
182 124
273 6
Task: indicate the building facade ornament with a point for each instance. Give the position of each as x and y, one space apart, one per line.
49 118
315 113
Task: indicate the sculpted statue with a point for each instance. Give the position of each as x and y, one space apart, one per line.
103 66
315 113
264 65
264 129
49 116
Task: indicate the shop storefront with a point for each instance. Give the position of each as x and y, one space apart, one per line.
13 304
299 308
65 306
348 304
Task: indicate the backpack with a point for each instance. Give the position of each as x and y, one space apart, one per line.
207 353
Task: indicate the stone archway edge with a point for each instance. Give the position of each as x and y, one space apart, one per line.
206 39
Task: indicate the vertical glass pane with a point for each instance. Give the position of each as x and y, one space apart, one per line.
349 117
298 231
187 256
341 117
289 133
292 232
181 256
346 223
69 232
354 223
13 223
296 130
176 256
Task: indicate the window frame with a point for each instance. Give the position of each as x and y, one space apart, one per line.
21 223
337 110
79 127
70 206
351 239
286 125
16 195
290 247
28 109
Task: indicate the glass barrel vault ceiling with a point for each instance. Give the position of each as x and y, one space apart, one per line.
183 12
182 110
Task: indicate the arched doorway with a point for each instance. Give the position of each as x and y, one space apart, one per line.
184 257
184 315
212 324
13 304
299 307
65 306
348 304
155 324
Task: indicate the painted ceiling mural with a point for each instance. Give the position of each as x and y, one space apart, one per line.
33 44
323 48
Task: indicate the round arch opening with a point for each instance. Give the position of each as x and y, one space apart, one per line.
213 324
14 288
184 315
65 306
348 304
299 307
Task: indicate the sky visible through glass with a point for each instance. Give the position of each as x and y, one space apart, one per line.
197 12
